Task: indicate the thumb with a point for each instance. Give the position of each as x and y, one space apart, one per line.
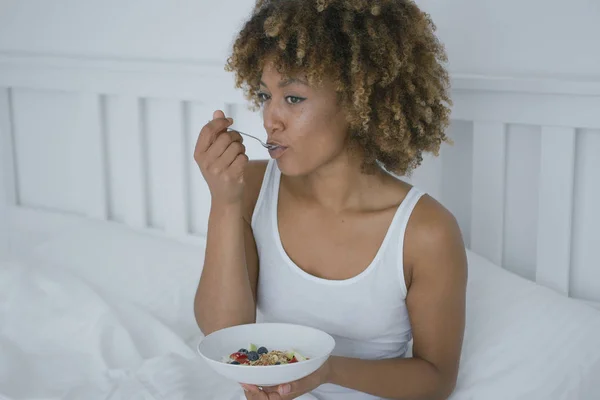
218 114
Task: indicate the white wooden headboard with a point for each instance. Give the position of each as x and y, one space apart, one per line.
112 140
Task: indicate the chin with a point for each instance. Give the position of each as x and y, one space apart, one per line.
290 170
294 168
293 165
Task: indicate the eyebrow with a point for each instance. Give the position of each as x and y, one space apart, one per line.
287 82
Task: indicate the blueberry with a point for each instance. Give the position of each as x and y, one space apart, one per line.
243 351
262 350
253 356
235 363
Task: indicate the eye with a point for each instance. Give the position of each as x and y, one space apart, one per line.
262 97
294 99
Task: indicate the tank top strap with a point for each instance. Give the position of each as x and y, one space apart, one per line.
266 189
406 208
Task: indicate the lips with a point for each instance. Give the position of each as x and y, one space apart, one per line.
277 151
275 143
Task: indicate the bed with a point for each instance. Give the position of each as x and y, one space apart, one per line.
103 218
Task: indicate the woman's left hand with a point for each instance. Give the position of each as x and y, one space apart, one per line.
290 390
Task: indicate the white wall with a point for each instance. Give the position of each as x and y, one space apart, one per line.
494 38
510 37
514 37
154 29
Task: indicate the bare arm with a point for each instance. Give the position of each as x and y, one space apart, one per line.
436 305
226 293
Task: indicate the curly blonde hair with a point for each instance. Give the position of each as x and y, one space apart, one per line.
383 57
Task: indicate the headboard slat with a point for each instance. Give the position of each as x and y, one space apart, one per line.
555 210
198 115
127 144
166 166
7 175
489 176
92 124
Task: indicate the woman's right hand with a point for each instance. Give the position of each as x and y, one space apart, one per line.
222 159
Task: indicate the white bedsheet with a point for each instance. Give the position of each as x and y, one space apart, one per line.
59 339
106 313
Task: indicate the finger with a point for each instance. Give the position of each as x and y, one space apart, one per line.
253 396
238 166
218 114
229 156
273 396
222 143
236 135
251 389
209 133
284 389
212 130
281 389
299 386
258 395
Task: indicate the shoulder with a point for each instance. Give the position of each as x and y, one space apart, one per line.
433 243
431 222
253 178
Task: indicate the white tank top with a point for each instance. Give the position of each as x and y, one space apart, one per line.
365 314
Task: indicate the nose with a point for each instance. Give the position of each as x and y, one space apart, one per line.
272 118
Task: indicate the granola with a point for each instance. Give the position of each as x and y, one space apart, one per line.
263 357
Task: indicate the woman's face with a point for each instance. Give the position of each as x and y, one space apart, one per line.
307 122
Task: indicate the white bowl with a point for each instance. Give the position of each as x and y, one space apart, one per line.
310 342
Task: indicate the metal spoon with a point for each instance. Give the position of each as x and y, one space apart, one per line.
266 145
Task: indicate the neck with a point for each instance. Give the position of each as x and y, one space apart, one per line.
339 185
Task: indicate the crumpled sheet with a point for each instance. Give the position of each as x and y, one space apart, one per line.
60 339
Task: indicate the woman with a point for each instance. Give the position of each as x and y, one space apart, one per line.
322 235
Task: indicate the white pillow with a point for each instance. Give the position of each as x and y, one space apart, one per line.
524 341
159 274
